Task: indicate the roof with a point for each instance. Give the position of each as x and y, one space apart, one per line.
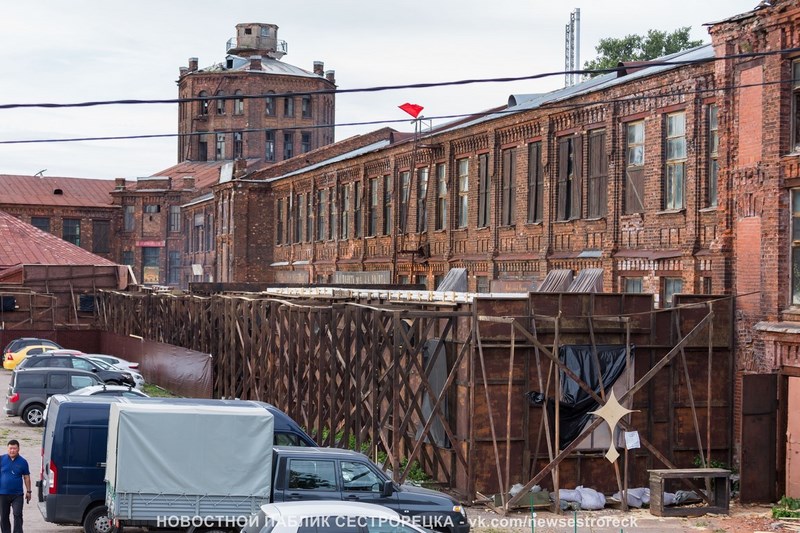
23 244
374 147
268 66
526 102
74 192
205 173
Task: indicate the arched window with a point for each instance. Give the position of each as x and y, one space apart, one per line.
203 104
220 102
238 103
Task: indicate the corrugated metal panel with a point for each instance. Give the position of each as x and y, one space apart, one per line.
455 280
587 280
557 280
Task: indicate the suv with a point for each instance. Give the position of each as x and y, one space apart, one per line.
112 377
22 342
31 387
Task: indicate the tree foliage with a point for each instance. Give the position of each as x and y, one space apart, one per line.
612 50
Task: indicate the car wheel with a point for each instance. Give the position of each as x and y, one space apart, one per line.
97 521
33 415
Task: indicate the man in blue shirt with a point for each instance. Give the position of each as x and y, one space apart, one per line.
13 472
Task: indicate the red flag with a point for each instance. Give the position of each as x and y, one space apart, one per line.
412 109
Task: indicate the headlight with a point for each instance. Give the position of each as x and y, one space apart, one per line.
459 509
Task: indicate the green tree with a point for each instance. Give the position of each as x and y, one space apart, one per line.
612 50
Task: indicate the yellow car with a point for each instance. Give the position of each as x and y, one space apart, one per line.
12 359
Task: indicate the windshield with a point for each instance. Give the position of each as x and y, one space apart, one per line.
102 364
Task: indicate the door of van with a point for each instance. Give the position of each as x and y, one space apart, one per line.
361 483
308 479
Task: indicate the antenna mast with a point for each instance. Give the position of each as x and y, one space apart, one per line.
572 48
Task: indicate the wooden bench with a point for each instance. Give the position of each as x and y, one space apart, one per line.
718 499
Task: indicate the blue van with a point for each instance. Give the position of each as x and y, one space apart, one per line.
71 487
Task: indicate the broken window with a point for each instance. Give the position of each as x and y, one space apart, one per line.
238 103
422 197
305 105
238 145
288 145
634 170
220 152
269 146
220 103
203 103
288 106
269 104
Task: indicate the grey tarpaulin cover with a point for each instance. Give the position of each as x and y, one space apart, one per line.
575 402
189 449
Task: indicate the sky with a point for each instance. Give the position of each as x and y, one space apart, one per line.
52 51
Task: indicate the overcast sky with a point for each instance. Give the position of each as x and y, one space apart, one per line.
81 50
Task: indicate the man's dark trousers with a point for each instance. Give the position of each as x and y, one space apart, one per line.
10 502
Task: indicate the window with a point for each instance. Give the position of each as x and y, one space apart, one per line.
269 104
357 220
332 206
238 103
597 195
288 145
358 477
101 236
345 195
279 221
676 161
79 382
209 232
306 474
387 205
322 199
220 152
202 148
372 213
713 155
507 195
568 183
535 182
238 145
128 218
42 223
482 284
305 105
796 105
202 104
298 217
269 146
288 106
174 268
309 212
422 199
632 285
405 184
462 209
305 142
174 218
634 170
483 190
220 102
151 261
71 231
198 235
151 208
422 279
795 246
672 286
127 258
441 196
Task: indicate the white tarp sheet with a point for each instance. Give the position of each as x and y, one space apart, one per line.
190 449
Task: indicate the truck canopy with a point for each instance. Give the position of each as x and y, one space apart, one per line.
190 450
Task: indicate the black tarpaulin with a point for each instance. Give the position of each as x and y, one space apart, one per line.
575 402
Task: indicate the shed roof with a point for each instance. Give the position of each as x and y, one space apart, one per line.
23 244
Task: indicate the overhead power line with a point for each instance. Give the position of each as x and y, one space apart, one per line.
380 88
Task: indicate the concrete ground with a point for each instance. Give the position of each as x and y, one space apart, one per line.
742 519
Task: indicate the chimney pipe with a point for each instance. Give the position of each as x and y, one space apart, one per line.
319 68
330 75
255 62
192 64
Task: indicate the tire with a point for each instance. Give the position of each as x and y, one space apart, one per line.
33 415
97 521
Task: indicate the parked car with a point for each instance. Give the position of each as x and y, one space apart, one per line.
137 377
110 390
112 377
31 387
64 351
329 517
18 344
12 359
116 361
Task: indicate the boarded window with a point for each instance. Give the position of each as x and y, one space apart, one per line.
597 194
535 182
507 193
568 184
483 190
101 236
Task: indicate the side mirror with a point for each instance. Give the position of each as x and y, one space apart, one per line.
387 489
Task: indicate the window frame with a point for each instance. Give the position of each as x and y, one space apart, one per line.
288 145
345 226
387 204
423 175
101 238
507 186
74 234
269 104
288 105
635 149
269 145
372 208
219 151
357 211
675 166
597 179
462 185
712 185
238 103
441 196
219 98
484 191
238 144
